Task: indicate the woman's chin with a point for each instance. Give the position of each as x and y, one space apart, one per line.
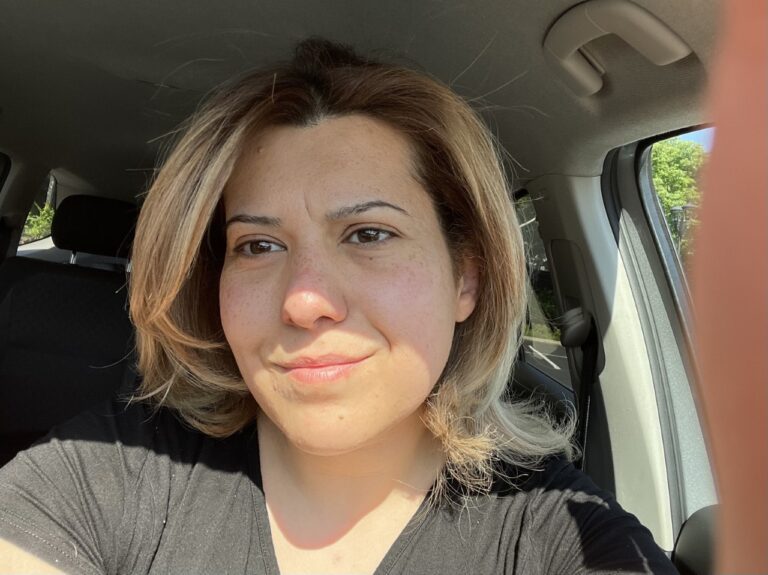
327 440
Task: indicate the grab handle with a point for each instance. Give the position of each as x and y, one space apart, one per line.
595 18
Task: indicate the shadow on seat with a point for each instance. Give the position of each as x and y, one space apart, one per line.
65 338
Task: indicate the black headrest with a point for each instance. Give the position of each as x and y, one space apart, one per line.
94 225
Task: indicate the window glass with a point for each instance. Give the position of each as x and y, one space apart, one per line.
675 167
541 338
40 217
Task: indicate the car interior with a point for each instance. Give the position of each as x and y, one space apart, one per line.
576 94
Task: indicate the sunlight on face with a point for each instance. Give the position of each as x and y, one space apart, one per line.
337 295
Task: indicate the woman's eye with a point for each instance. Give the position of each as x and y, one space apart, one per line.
369 236
258 247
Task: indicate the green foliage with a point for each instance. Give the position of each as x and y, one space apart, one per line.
542 331
546 298
38 224
676 164
542 314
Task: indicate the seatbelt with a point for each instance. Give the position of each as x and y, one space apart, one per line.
578 330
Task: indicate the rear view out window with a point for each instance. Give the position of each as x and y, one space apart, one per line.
675 168
40 217
541 336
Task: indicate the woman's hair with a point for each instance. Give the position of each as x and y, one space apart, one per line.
184 358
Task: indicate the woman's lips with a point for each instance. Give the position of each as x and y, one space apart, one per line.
321 369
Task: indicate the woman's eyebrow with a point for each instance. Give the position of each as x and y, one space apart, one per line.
339 214
250 219
355 209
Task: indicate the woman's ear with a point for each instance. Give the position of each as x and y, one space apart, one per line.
468 289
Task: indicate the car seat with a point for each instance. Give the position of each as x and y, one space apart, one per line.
65 338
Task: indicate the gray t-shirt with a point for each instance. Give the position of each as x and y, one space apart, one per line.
120 490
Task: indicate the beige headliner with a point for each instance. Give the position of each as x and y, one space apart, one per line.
86 85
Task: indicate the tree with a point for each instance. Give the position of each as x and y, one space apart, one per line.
676 164
38 224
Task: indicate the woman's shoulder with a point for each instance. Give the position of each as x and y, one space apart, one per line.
550 475
120 426
577 527
128 439
543 518
120 419
106 483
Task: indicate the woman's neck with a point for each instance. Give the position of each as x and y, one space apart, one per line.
317 499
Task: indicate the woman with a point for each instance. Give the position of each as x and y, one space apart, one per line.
328 283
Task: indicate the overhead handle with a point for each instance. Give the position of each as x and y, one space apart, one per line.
595 18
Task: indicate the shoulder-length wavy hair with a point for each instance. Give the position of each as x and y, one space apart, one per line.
184 359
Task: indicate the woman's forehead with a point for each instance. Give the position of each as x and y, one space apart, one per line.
340 156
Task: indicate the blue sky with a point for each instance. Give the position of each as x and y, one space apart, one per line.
703 137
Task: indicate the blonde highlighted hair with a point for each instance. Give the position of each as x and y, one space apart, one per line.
184 359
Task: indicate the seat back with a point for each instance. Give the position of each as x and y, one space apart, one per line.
65 338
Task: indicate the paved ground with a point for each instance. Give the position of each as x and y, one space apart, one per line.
549 357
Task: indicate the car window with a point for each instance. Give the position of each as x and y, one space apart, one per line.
654 208
541 336
40 216
675 167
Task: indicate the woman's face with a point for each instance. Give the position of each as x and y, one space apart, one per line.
338 298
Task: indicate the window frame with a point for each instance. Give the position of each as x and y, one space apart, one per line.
673 265
663 300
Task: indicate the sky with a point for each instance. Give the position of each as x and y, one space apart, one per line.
703 137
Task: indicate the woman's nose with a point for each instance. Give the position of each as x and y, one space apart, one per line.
313 295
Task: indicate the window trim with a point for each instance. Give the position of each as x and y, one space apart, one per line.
661 292
673 265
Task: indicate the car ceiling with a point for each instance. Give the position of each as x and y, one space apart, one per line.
96 87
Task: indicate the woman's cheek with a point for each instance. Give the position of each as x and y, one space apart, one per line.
230 303
242 302
413 308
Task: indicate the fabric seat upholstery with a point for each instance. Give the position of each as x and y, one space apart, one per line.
65 338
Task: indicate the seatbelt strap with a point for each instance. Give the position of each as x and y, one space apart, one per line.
578 330
587 381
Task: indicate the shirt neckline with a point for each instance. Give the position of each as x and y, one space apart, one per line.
416 523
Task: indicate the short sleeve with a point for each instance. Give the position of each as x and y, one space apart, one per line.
64 499
576 528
